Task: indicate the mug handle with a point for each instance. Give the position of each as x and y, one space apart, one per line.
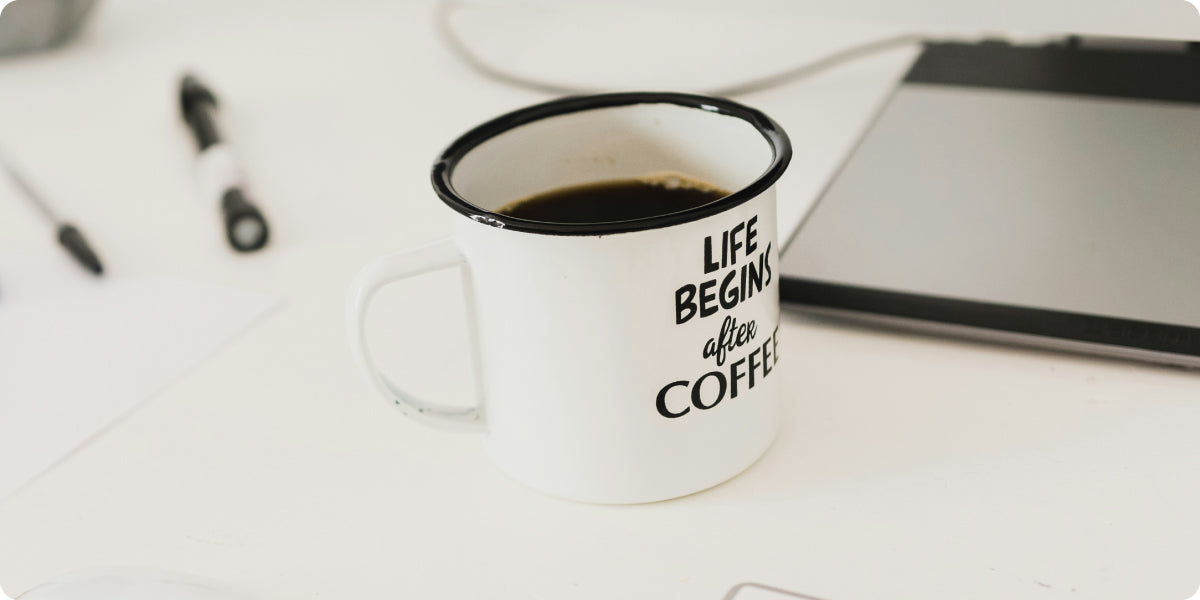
389 268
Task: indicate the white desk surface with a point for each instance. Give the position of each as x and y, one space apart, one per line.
907 467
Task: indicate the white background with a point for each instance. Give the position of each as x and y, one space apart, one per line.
907 467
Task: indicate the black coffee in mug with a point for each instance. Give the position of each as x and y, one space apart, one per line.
615 200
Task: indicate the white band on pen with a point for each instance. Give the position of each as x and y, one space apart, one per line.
217 171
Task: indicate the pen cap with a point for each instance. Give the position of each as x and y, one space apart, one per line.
198 107
191 91
244 224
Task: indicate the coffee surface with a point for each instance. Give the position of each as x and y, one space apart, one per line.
615 200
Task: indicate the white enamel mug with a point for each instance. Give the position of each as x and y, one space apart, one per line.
618 362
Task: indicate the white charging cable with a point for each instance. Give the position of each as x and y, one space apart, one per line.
455 43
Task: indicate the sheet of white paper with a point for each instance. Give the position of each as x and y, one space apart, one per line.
72 365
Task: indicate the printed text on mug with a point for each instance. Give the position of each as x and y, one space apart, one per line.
736 267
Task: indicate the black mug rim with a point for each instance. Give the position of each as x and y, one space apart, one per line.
443 168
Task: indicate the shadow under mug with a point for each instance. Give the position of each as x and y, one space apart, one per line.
616 362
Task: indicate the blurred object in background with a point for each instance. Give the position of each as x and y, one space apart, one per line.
30 25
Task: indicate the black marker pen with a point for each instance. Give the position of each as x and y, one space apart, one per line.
244 224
